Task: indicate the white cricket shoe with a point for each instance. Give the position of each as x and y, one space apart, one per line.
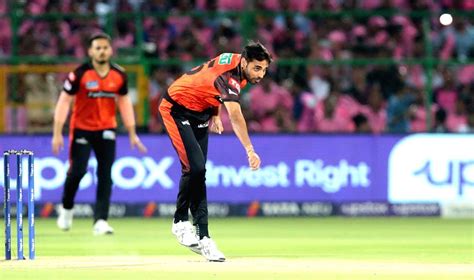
101 227
185 233
196 249
64 220
209 250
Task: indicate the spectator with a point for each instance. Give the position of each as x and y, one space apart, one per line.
447 95
297 87
457 120
155 6
332 116
375 111
361 124
226 38
319 82
469 128
457 40
157 87
387 77
397 110
271 106
358 85
439 125
418 115
182 35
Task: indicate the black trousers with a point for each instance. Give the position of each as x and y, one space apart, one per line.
188 131
103 144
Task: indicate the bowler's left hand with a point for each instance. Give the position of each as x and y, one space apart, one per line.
216 125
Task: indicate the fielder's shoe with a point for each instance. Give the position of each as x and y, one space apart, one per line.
209 250
184 232
64 220
101 227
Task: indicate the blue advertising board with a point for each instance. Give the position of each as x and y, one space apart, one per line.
299 168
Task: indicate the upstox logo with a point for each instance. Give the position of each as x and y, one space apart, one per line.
128 173
432 168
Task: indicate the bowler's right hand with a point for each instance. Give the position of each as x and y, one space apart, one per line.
57 143
254 160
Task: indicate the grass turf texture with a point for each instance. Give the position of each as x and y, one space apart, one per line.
258 248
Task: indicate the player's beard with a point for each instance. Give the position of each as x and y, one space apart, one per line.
101 61
247 77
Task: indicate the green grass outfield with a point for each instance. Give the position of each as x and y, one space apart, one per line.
256 248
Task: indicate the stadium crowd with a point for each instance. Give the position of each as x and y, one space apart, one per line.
296 97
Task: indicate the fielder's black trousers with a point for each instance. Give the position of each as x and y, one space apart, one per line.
81 144
188 131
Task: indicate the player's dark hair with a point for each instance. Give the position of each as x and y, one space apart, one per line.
96 36
256 51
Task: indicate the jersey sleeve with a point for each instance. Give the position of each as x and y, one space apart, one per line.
73 81
124 88
228 87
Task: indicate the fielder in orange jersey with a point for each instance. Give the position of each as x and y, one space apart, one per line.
95 87
192 102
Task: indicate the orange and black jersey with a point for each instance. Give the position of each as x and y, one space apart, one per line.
210 84
94 104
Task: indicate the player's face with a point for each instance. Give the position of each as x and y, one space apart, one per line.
254 70
100 51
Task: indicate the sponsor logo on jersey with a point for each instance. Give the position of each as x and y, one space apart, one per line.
100 94
234 84
225 58
92 85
